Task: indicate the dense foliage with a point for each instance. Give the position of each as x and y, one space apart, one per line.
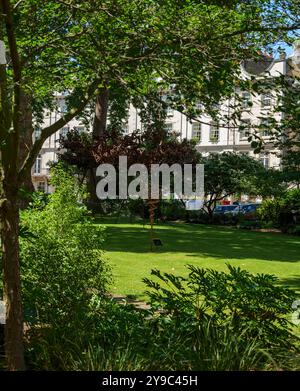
62 260
218 321
229 173
282 212
253 302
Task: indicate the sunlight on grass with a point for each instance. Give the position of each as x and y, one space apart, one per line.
127 248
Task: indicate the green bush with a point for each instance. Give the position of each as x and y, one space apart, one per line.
269 212
172 210
283 213
61 260
119 337
209 321
198 217
252 302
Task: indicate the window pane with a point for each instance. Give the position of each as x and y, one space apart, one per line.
214 132
264 159
168 127
245 128
169 112
37 133
41 187
38 165
63 131
265 127
246 100
266 100
196 131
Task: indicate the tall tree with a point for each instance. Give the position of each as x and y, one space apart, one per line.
229 174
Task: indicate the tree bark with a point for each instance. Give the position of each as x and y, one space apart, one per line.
99 130
9 208
13 338
152 204
101 109
26 131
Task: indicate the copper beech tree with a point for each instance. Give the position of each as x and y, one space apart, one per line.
152 146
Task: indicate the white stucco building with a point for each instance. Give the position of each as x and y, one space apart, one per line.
226 136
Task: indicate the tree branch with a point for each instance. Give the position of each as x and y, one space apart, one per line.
48 131
292 27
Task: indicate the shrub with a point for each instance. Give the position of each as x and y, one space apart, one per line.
208 321
198 217
283 213
269 212
62 260
172 210
253 302
119 337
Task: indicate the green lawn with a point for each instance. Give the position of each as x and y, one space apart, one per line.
127 249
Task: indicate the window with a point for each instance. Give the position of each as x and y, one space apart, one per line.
37 133
125 128
63 107
196 131
79 129
199 106
266 100
216 106
214 132
63 131
169 127
245 128
41 187
38 165
246 100
169 112
265 159
265 127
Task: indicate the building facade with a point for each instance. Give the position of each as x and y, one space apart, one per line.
213 137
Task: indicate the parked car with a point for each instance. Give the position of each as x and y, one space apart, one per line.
225 209
249 208
249 211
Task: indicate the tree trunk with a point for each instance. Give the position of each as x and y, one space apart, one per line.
101 108
26 130
99 129
13 338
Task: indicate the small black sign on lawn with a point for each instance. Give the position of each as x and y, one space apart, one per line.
157 242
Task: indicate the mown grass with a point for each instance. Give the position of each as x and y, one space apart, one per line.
128 250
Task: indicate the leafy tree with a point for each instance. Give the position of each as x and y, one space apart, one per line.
152 146
280 121
230 173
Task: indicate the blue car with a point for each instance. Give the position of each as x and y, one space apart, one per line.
224 209
249 208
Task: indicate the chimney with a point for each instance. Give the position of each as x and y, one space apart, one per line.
296 55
